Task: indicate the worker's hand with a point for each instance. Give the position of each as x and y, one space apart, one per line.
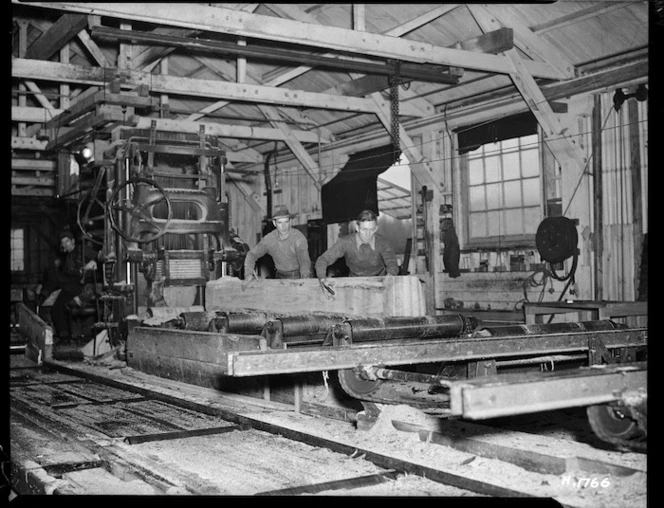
247 280
327 290
90 265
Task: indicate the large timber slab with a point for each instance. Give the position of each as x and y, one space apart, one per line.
354 296
197 358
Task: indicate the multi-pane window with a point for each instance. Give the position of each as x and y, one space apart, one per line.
504 190
17 250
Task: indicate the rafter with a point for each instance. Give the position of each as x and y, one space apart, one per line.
219 19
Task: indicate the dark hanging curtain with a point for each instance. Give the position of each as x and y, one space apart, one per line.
514 126
354 188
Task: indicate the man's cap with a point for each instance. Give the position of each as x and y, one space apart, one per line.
67 234
282 212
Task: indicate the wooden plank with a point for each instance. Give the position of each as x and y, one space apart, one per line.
59 34
47 181
19 143
33 164
225 130
38 333
53 71
355 296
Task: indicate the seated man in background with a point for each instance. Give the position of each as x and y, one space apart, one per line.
367 253
69 278
288 247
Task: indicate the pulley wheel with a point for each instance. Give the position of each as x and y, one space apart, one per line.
556 239
356 386
614 425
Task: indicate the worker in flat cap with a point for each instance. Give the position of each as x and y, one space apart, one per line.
367 253
287 246
69 276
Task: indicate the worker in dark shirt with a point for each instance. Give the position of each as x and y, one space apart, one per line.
69 276
367 253
287 246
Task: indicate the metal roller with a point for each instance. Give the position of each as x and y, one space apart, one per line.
250 323
424 327
539 329
300 329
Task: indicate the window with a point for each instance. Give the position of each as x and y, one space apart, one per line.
504 192
17 250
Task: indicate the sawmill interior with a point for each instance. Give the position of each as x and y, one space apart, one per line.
330 249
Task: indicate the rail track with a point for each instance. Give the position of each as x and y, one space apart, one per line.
90 430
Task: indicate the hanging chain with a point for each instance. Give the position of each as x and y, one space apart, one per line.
395 81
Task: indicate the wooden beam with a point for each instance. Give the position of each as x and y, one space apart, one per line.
501 106
172 85
60 33
35 144
33 165
37 94
294 145
432 14
91 102
217 19
574 17
103 115
221 130
491 42
533 45
324 135
93 49
33 115
563 147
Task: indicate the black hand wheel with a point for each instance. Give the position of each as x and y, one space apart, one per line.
136 209
91 217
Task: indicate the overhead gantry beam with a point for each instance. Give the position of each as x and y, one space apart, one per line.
173 85
218 19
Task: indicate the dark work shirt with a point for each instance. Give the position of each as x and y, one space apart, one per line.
70 272
288 255
362 261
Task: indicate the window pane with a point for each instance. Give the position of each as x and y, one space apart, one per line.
533 217
493 197
475 171
477 201
495 228
508 144
513 194
528 142
514 222
477 225
492 168
531 191
505 199
16 248
511 169
530 163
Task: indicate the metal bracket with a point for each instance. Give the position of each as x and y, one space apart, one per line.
597 352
